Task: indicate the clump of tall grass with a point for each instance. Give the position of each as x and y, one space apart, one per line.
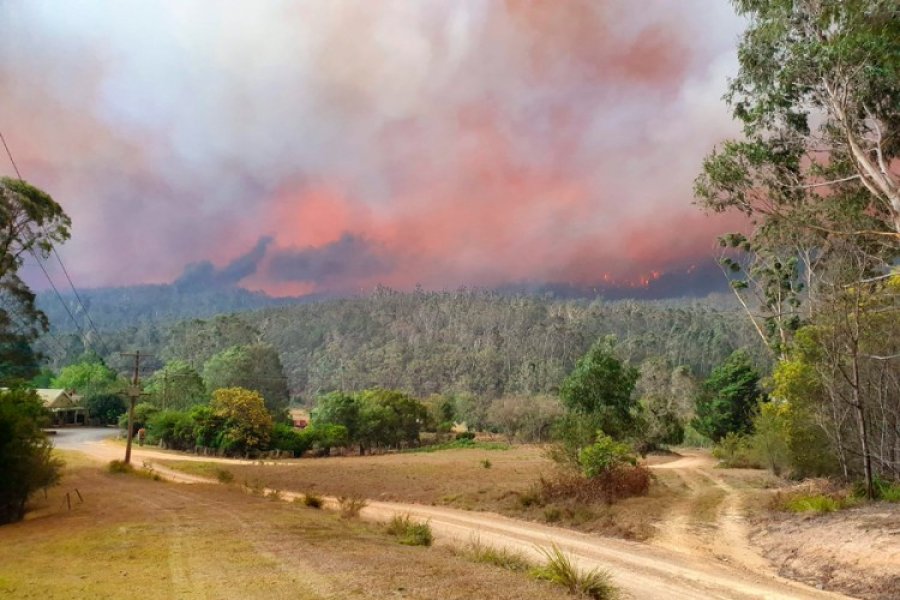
313 501
559 569
478 551
351 506
409 532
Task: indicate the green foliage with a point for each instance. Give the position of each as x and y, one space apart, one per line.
91 376
254 367
105 408
601 386
288 439
32 223
246 424
175 429
771 437
560 569
143 412
373 418
423 343
736 451
338 408
177 386
728 397
26 462
604 455
409 532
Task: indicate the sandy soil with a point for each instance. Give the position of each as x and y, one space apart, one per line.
832 550
643 571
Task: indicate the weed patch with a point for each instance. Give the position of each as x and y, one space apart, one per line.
560 569
351 506
409 532
478 551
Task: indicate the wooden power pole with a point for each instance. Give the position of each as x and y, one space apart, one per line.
134 393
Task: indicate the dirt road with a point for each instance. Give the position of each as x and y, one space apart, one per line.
679 568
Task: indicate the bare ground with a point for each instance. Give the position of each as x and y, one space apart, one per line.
721 566
856 551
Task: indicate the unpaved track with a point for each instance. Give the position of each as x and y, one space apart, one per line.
645 572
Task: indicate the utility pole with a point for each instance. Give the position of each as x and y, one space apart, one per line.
133 393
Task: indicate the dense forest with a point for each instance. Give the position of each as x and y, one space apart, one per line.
480 342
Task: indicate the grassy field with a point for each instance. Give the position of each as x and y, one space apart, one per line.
135 537
498 480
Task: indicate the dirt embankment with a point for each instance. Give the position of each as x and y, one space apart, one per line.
856 551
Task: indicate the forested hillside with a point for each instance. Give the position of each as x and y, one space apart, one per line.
426 342
121 307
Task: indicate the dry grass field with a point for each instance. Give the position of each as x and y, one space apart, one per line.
457 478
135 537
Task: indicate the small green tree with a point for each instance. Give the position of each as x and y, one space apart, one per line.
338 408
726 402
105 408
601 386
177 386
87 377
254 367
26 462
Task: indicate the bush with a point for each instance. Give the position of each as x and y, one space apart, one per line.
224 475
736 451
26 461
313 501
105 408
119 466
486 463
560 569
603 455
815 496
174 429
409 532
889 492
288 439
351 506
465 435
610 486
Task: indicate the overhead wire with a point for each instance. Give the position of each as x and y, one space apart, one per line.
64 270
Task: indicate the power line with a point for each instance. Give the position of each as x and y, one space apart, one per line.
65 271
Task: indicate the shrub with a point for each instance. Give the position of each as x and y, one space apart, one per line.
288 439
175 429
560 569
119 466
610 486
603 455
815 496
552 514
478 551
313 501
887 491
224 475
735 451
105 408
351 506
486 463
26 460
409 532
465 435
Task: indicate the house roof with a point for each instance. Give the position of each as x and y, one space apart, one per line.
53 398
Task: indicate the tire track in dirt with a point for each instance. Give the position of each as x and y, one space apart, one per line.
644 571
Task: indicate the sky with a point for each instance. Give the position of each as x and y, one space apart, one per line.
327 146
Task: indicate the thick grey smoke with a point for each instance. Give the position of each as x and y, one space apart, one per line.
474 142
